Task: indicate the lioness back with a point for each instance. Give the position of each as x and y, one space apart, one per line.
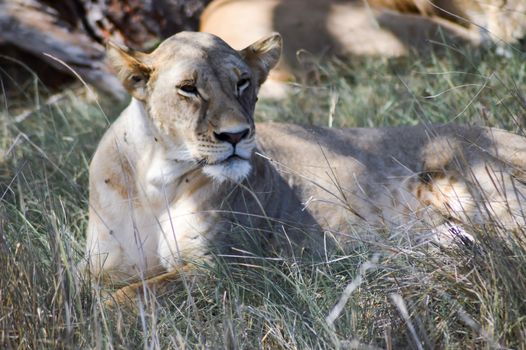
388 175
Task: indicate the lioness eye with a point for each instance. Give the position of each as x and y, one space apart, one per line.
187 90
242 85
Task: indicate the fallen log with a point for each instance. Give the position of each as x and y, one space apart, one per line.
70 35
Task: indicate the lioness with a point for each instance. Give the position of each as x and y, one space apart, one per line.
388 28
185 170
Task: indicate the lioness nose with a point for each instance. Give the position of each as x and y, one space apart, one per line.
232 137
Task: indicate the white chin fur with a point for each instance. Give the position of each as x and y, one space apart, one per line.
235 170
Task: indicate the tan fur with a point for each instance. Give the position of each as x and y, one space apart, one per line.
361 27
164 193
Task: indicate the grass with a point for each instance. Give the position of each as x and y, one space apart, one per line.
395 294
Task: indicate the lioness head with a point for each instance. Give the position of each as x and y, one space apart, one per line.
200 95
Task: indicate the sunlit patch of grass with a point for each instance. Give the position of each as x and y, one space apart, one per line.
460 297
470 87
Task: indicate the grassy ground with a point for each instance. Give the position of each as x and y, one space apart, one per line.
395 294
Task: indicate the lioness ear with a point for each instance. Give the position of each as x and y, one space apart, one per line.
263 55
132 73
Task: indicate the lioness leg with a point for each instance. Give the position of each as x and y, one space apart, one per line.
447 193
487 194
130 292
